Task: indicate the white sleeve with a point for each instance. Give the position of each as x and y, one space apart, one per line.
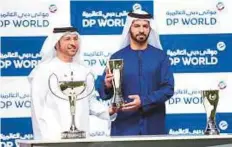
39 90
96 108
99 113
113 116
101 109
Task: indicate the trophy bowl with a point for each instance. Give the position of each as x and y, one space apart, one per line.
210 101
116 67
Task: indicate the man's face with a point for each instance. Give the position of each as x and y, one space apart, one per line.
68 45
139 30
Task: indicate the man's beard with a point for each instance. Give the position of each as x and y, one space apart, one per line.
139 38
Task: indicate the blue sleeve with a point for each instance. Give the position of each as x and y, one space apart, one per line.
165 91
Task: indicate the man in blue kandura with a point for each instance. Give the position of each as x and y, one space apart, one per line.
147 79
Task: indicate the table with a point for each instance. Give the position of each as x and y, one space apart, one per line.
223 140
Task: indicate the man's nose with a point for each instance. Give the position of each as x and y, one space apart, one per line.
141 29
73 42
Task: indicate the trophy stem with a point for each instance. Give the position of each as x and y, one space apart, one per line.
73 132
73 124
72 101
117 100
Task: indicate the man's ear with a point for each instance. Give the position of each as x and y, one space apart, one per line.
57 45
150 30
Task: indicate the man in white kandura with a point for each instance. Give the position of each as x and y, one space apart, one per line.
51 114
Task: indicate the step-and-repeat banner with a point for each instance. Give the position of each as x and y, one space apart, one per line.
197 36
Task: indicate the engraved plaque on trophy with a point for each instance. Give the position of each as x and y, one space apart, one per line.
73 91
116 67
210 101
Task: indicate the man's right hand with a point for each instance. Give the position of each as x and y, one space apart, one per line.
108 79
113 110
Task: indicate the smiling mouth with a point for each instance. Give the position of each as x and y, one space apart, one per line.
73 50
72 47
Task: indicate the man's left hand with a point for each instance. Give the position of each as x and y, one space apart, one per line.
134 105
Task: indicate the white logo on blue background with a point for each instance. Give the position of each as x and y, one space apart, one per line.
221 46
223 125
137 7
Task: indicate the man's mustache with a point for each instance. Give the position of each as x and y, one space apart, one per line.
72 46
141 34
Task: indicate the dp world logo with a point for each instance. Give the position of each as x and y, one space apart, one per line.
222 85
221 46
220 6
137 7
223 125
52 8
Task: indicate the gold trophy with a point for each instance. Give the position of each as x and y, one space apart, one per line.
116 67
73 90
210 101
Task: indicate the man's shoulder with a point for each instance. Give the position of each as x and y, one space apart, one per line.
84 67
44 66
119 53
41 70
158 51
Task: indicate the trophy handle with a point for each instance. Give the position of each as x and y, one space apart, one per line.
57 83
80 98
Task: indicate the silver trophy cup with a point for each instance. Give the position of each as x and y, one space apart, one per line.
73 90
210 101
115 67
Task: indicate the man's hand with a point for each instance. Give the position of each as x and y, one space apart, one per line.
134 105
108 79
113 110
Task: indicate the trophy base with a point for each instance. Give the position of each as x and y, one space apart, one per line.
212 132
73 134
211 128
117 105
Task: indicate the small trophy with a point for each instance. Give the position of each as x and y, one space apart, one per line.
115 67
72 89
210 101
